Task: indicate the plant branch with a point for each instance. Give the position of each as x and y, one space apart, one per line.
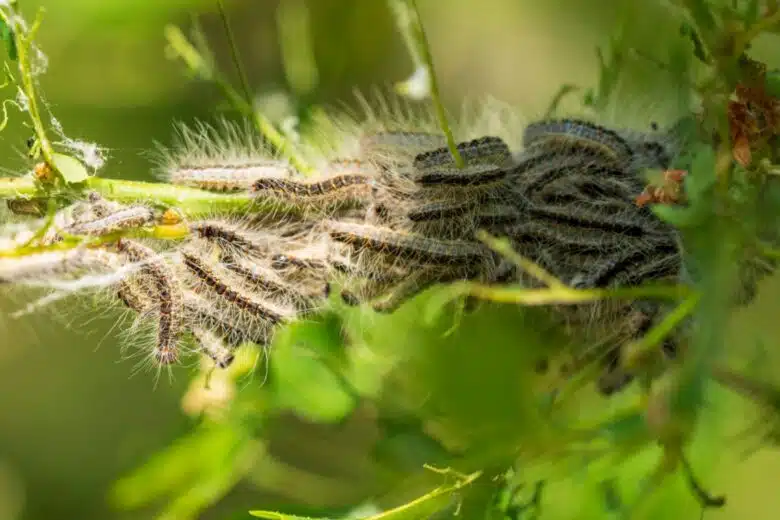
408 20
199 66
191 202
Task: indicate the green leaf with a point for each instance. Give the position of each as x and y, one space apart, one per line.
752 12
72 170
702 173
195 471
305 365
678 217
10 41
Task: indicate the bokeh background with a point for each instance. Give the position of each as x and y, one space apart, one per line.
72 419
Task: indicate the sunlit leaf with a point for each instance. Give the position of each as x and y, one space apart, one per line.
305 367
195 471
72 170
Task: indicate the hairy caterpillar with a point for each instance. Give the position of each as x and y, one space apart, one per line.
571 133
214 347
234 238
406 246
168 298
223 158
485 150
218 281
266 280
228 177
323 194
388 213
126 218
470 176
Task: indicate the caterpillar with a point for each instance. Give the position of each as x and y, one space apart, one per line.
168 298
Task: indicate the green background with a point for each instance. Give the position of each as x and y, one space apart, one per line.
72 419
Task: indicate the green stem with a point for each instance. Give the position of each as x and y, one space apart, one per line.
567 296
199 66
24 41
410 25
760 392
192 202
234 52
502 247
29 89
18 188
639 350
768 23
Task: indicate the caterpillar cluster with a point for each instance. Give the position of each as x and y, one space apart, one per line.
388 218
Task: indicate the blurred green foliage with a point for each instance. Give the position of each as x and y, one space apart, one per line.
346 407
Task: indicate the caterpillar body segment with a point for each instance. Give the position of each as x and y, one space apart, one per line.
442 219
250 310
471 176
266 281
452 220
228 177
214 347
407 246
602 192
296 262
485 150
541 168
168 295
235 238
223 158
624 224
438 210
220 319
137 295
324 195
573 134
126 218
